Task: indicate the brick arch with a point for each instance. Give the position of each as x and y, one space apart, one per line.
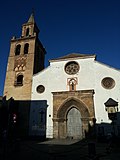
68 104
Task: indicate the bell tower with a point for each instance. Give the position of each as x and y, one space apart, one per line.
26 58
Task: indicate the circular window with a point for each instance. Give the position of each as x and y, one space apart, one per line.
108 83
40 89
71 68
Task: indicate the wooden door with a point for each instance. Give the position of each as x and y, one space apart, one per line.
74 124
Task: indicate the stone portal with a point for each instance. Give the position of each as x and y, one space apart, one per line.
73 112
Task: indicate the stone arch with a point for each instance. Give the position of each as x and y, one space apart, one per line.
67 105
82 100
61 119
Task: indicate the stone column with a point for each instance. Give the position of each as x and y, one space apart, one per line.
62 128
55 128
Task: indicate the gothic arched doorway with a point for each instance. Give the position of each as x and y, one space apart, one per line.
74 124
72 112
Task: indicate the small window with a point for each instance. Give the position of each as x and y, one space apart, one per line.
27 32
40 89
19 80
26 48
108 83
72 84
17 49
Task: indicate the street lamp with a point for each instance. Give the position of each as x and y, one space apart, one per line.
111 106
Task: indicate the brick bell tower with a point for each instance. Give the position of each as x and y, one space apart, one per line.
26 58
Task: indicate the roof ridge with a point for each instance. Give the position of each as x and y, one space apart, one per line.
74 55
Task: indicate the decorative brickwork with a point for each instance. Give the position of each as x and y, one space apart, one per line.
20 63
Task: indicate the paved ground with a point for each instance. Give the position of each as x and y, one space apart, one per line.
60 150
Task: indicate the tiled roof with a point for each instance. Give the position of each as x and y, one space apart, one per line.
74 55
111 102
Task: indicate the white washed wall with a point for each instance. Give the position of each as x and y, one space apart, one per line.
102 94
54 78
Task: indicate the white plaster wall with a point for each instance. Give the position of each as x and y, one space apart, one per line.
44 78
54 78
102 94
91 72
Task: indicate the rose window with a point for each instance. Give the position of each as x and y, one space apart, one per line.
108 83
71 68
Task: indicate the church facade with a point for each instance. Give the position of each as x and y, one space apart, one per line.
75 88
68 97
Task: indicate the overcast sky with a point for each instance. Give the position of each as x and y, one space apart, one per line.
66 26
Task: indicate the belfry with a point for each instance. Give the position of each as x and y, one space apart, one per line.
26 58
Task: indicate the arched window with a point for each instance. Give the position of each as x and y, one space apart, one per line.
27 32
17 49
19 80
26 48
72 84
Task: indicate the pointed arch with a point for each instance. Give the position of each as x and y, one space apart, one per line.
74 124
68 104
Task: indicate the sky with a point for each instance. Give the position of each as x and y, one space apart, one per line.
66 26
